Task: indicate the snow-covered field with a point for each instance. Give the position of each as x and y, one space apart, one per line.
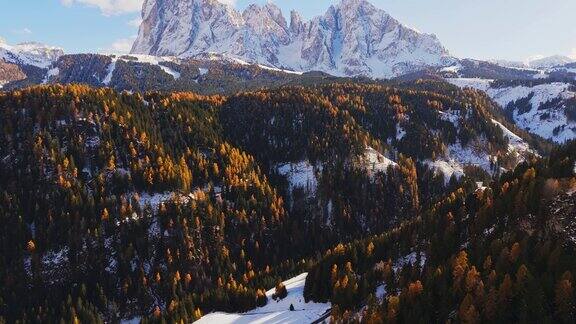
276 312
550 124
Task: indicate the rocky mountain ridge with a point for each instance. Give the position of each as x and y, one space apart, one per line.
352 38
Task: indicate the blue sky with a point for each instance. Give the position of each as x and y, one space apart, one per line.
506 29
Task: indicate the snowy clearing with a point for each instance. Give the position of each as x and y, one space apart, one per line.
478 84
299 175
515 142
276 312
447 168
374 162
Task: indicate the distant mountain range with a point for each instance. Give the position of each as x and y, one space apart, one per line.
537 63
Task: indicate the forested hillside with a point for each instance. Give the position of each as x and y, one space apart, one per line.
167 206
503 253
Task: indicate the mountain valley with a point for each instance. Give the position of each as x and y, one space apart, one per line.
241 167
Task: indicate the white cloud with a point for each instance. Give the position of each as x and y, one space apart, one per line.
23 31
135 22
117 7
573 54
109 7
120 46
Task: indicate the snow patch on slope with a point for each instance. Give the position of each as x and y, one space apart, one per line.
156 60
447 168
478 84
375 162
53 72
144 59
551 123
515 142
276 312
300 175
279 70
110 73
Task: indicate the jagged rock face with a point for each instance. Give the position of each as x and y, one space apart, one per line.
351 38
175 26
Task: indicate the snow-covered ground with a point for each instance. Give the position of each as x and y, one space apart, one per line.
475 154
550 123
542 93
400 132
110 73
300 175
376 162
265 67
542 122
154 200
515 142
203 71
147 59
474 83
279 70
410 259
447 168
53 72
381 292
276 312
459 156
452 116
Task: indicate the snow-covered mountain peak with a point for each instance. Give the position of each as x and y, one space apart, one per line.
353 37
297 25
30 53
353 3
266 20
549 62
357 7
537 62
